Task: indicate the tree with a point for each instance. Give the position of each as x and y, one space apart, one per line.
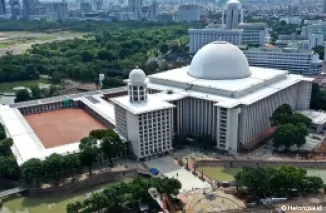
71 163
313 183
164 48
53 167
111 145
282 115
9 168
22 95
5 145
98 133
36 92
320 51
112 82
88 152
32 171
285 136
301 133
300 118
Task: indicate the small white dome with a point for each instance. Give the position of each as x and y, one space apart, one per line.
219 60
137 77
233 4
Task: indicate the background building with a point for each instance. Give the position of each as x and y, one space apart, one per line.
293 59
3 7
189 13
232 30
232 14
200 37
134 7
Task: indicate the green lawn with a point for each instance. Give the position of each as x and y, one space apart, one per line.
8 86
227 174
48 204
220 173
4 45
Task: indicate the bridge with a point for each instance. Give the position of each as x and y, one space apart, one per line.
13 191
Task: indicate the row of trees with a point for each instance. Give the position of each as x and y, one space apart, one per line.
36 93
58 167
292 127
118 48
263 182
126 197
8 166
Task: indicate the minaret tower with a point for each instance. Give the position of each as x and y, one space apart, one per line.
137 87
232 14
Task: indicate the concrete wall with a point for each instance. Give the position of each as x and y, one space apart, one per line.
84 184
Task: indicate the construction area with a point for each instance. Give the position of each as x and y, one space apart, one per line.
64 126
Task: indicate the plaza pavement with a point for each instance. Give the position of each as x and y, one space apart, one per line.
168 168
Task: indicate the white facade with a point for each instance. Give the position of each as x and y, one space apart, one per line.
200 37
253 33
232 14
314 29
147 122
233 110
189 13
304 62
233 30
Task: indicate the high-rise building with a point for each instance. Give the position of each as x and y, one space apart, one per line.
3 7
29 8
86 7
232 14
56 10
15 9
233 30
189 13
135 6
324 6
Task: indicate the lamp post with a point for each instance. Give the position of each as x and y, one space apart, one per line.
187 165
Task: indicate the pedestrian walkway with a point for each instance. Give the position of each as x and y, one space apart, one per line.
169 169
9 192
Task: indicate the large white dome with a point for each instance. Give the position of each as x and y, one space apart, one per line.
137 77
233 4
219 60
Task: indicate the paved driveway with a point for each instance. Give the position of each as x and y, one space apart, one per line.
167 167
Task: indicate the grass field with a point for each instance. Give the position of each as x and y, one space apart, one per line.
8 86
227 174
48 204
220 173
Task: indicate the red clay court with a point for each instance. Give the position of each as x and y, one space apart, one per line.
64 126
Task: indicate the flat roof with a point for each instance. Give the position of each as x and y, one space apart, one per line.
174 79
153 103
180 75
317 117
65 97
102 107
26 143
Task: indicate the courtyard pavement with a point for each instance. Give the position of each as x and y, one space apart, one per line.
168 168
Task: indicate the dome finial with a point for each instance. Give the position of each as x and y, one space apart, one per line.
136 67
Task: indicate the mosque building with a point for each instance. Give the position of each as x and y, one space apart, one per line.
219 95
